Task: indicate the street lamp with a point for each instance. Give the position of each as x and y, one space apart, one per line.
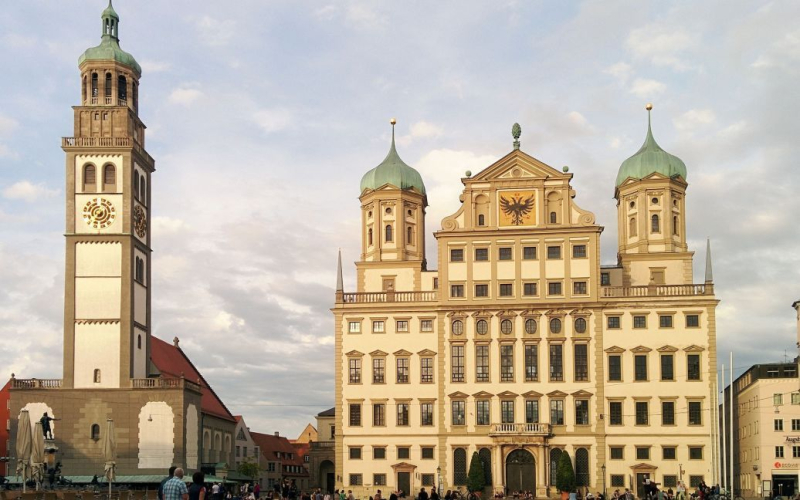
603 468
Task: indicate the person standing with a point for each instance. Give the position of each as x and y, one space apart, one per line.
257 490
197 490
175 488
434 494
423 495
163 481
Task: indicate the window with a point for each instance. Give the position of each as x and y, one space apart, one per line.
529 253
554 288
95 432
506 363
796 424
553 218
655 227
379 479
669 452
238 451
580 325
579 288
426 414
530 326
355 453
97 376
779 452
795 451
640 367
696 452
582 412
89 179
402 370
614 368
457 359
355 414
458 411
378 370
555 326
355 370
482 363
482 412
426 325
615 413
378 326
554 252
507 411
435 283
693 367
640 321
613 322
616 453
692 321
531 363
665 321
402 415
109 178
379 414
670 481
532 411
579 251
402 326
456 255
356 480
481 254
504 253
389 232
506 290
427 452
581 362
354 327
506 326
695 413
777 399
605 279
139 341
618 480
459 466
642 413
556 412
777 424
667 413
642 453
426 370
457 327
482 290
481 220
457 291
410 236
529 289
675 225
379 452
556 362
694 481
667 367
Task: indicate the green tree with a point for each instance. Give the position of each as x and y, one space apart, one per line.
565 475
249 469
476 481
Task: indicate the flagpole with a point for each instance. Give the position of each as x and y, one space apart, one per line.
730 450
723 456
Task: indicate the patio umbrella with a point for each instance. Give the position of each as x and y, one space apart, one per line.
110 453
37 455
24 445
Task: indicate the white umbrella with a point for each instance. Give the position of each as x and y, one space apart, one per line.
37 454
24 446
110 454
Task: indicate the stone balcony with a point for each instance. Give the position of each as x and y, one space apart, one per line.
105 142
323 445
501 430
389 296
609 292
136 383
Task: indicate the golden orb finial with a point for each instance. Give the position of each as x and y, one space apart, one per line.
393 121
649 106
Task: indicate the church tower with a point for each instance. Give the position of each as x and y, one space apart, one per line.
393 202
107 286
651 216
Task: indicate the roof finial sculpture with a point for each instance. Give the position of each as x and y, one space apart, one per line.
709 271
516 131
339 278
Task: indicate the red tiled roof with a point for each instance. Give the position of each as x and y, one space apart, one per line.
172 362
270 445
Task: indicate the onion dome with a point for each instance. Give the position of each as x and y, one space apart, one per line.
392 170
651 159
109 49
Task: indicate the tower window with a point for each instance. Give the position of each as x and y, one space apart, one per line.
369 237
139 341
122 90
632 227
95 432
675 225
632 205
136 185
89 179
553 218
410 237
84 90
108 84
481 220
143 191
94 88
654 201
389 232
97 375
109 178
655 226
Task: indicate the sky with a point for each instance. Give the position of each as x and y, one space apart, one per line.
263 116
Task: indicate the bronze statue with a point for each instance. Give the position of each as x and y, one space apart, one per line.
46 429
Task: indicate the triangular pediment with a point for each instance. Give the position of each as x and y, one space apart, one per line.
378 353
402 352
557 394
667 348
404 465
519 165
693 348
427 352
482 394
582 394
353 354
640 349
507 394
458 395
531 394
615 350
643 466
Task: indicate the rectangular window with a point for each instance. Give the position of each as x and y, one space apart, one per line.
615 413
355 453
613 322
579 251
529 289
355 370
238 452
669 452
579 288
378 370
617 453
426 325
667 367
482 363
403 452
642 453
402 370
777 424
482 412
506 290
458 410
481 254
695 413
581 362
355 414
796 398
457 291
694 481
554 288
605 279
378 327
668 413
556 412
696 452
354 327
457 358
795 451
554 252
693 367
777 399
665 321
531 363
504 254
582 412
481 290
426 414
506 363
428 479
402 326
640 367
556 363
692 321
670 481
796 424
640 321
779 452
427 452
532 411
614 368
402 414
426 370
379 479
529 253
379 415
379 452
356 480
642 413
507 412
618 480
456 255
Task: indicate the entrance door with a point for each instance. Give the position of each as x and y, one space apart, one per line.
640 477
520 471
330 482
404 482
784 485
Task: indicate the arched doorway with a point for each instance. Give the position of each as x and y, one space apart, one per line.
327 476
520 471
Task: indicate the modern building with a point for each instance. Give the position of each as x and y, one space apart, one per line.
163 410
521 346
321 457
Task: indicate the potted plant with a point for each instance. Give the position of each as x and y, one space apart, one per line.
565 476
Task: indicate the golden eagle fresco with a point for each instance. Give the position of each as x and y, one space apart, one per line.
517 207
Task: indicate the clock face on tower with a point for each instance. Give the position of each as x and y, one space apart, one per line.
99 213
140 221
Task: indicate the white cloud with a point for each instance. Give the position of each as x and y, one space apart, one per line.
364 16
646 88
661 45
215 32
27 191
622 71
273 120
185 96
423 129
694 119
153 66
165 225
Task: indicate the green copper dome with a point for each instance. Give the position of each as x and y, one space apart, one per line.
394 171
651 159
109 49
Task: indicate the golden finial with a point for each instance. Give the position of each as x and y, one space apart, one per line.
649 106
393 121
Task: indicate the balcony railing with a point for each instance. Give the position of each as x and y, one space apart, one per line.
657 290
36 383
520 429
323 445
389 296
96 142
164 383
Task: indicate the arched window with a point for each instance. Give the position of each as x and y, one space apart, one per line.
139 341
553 218
482 327
369 237
95 432
136 185
555 456
580 325
122 90
459 466
555 325
632 227
109 178
655 227
388 232
97 375
84 90
530 326
410 237
94 88
135 95
675 225
486 459
143 190
506 326
108 86
481 222
457 327
582 467
89 179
